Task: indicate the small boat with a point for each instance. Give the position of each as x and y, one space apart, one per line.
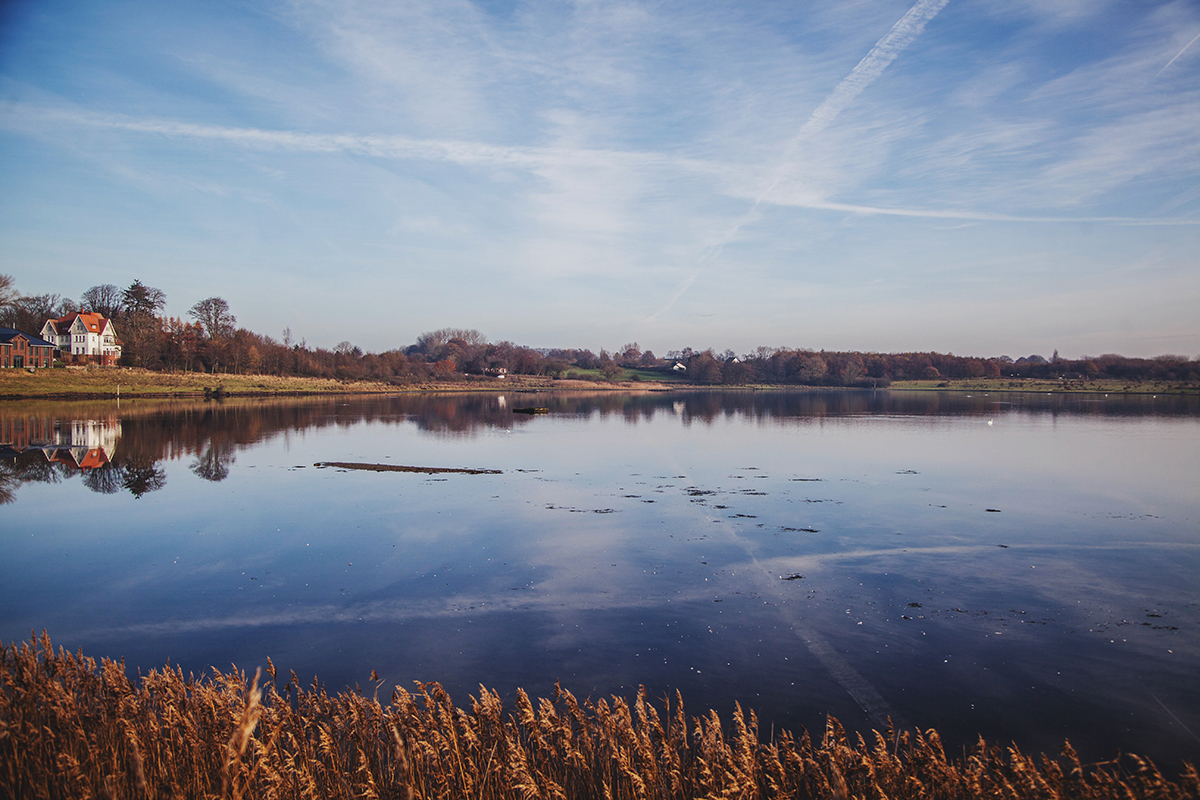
531 410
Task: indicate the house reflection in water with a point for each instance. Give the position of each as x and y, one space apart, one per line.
84 443
42 449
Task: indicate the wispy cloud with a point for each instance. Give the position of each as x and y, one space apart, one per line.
464 152
631 155
1156 136
866 72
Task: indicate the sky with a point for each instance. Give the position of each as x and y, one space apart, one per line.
982 177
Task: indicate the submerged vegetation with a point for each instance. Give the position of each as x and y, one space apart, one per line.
72 728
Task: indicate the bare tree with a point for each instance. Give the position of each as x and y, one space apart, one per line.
432 343
213 315
8 293
30 312
104 300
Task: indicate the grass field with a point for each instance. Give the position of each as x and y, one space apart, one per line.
629 375
128 382
72 728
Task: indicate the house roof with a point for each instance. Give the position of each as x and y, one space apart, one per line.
78 457
8 334
91 321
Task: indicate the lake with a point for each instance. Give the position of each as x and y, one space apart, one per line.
1020 566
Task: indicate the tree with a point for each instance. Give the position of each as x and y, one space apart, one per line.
181 343
142 340
214 317
104 299
809 367
432 344
30 312
143 300
704 368
8 293
142 331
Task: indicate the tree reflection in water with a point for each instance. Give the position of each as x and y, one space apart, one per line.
213 463
125 448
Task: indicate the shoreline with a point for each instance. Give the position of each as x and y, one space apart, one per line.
132 383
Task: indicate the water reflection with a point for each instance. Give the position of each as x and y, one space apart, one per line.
213 430
861 553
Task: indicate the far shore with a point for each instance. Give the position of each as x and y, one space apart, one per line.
129 382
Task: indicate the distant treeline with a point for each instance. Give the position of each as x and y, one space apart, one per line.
828 368
210 341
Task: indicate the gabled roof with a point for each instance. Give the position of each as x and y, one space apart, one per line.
79 457
91 322
8 334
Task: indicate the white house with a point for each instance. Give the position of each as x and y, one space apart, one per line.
84 336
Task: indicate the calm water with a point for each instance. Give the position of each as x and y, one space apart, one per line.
1022 567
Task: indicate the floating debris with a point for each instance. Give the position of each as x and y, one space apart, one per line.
795 576
399 468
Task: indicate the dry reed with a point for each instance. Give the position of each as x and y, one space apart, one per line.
72 728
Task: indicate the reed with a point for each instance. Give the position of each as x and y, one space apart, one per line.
74 728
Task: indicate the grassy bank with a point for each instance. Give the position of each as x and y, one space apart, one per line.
72 728
128 382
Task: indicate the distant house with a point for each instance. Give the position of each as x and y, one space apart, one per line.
84 337
679 367
18 349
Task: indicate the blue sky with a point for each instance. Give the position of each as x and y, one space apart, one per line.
974 176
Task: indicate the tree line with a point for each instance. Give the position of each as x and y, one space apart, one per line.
832 368
209 340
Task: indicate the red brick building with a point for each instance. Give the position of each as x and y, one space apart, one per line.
19 350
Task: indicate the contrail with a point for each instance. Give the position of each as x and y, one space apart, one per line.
1177 55
885 51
